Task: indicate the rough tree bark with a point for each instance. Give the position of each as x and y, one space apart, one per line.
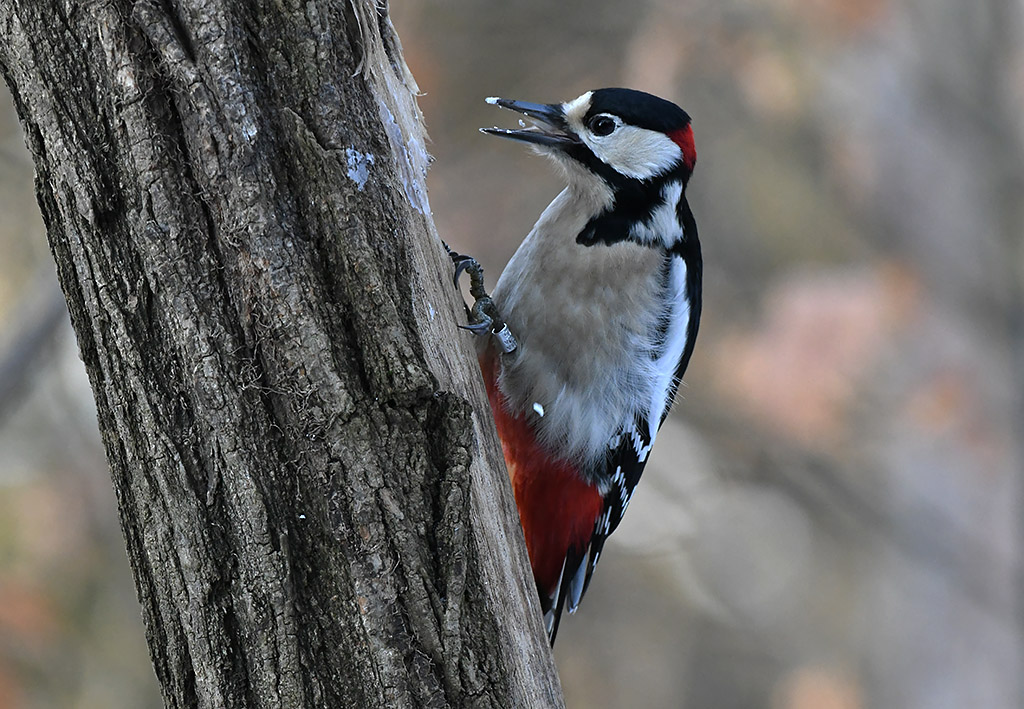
307 474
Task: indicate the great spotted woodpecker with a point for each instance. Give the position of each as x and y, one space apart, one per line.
594 319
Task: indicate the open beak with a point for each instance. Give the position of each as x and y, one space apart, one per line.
549 127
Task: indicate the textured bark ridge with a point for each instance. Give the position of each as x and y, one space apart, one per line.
307 475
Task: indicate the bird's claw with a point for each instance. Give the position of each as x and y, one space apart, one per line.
464 263
483 317
468 264
479 329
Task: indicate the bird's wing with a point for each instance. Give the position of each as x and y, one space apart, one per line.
624 466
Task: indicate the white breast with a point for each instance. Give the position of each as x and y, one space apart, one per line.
590 356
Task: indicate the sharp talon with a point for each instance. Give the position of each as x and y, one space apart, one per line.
479 329
463 263
483 317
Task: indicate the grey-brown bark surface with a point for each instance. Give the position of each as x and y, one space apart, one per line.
307 475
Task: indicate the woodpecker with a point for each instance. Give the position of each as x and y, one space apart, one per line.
591 325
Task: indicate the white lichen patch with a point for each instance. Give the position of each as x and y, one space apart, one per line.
395 90
358 166
412 158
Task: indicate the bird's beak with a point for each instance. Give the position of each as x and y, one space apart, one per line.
549 127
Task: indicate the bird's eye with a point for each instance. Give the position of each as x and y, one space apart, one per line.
602 125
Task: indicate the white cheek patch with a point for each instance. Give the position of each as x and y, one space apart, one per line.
635 152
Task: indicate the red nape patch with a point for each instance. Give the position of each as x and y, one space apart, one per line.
556 507
684 139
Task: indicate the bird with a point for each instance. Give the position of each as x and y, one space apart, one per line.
590 326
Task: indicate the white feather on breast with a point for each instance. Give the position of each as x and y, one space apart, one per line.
586 319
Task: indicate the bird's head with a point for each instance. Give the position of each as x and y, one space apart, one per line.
621 135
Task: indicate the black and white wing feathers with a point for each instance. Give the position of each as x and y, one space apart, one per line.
632 445
626 463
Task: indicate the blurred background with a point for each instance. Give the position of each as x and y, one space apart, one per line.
832 517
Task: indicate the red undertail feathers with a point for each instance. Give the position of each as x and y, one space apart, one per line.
557 508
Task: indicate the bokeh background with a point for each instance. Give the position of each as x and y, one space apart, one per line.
832 517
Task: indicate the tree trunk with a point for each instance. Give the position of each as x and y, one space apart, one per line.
308 479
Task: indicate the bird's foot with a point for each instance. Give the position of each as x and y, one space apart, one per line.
483 317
